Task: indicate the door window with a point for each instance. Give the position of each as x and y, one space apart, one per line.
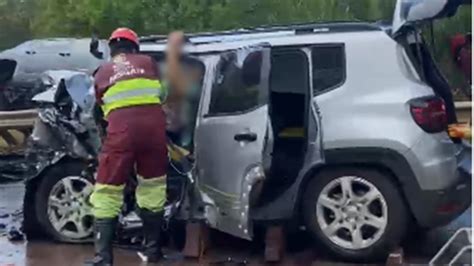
329 67
238 85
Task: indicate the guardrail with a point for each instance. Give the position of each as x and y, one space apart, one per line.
16 126
464 111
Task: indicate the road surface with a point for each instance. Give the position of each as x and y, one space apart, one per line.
42 253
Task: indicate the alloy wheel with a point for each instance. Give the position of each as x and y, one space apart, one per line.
352 212
69 212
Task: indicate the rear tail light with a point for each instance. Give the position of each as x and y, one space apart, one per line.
429 113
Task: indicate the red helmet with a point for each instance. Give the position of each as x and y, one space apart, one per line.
124 33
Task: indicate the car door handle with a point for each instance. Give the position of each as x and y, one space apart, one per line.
248 136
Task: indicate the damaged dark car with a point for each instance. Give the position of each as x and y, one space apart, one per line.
61 162
26 62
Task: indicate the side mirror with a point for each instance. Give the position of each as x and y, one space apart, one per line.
252 69
94 48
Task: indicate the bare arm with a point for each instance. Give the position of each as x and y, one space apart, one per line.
174 73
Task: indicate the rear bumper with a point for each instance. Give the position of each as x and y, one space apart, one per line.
440 207
433 208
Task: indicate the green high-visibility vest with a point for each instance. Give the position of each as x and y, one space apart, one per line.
133 92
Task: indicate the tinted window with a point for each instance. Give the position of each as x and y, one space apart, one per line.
289 72
236 90
329 69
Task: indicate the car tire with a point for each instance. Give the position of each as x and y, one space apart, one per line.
73 203
370 249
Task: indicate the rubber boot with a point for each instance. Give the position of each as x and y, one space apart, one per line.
104 231
152 223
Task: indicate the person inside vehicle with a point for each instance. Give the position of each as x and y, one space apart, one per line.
181 115
130 92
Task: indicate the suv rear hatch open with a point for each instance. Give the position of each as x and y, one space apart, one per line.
408 18
411 12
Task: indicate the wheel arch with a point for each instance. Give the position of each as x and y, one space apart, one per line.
387 161
32 184
62 159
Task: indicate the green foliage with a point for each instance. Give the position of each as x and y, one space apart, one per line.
15 19
23 19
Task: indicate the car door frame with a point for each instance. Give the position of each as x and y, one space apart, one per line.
223 210
286 206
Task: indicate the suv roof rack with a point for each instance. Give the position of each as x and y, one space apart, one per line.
300 28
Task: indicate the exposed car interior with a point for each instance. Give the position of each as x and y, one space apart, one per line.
289 92
194 70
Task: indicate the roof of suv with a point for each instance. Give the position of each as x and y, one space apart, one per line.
276 35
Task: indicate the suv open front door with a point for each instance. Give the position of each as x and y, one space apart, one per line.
231 136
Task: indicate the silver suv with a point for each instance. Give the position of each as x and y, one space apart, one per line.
343 130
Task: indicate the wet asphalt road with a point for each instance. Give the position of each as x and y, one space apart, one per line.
41 253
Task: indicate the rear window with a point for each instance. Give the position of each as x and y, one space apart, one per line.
329 67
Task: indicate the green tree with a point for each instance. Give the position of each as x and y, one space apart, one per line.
15 19
24 19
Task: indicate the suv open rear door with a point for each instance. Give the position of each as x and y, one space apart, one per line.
410 12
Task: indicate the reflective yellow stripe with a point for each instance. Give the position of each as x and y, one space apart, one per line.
151 193
292 132
107 200
132 92
132 84
132 101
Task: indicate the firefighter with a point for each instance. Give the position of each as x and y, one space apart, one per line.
130 93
